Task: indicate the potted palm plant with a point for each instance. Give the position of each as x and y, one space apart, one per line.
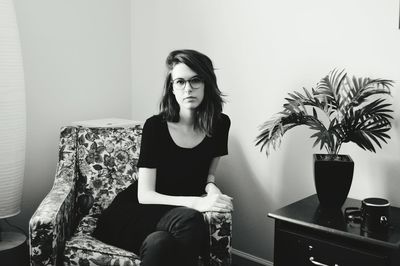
340 109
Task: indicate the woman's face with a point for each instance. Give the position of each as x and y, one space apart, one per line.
188 87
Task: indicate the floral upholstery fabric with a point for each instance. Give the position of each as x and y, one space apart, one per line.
53 222
86 250
107 162
220 238
94 165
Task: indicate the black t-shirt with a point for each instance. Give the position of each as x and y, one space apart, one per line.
181 171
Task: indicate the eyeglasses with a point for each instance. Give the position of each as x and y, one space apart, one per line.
180 83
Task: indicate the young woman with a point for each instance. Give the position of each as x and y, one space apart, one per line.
159 217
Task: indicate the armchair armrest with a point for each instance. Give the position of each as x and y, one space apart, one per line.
220 238
54 219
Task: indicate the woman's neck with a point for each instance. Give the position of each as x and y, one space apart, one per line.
186 118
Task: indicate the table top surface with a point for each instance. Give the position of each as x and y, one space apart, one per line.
11 240
307 212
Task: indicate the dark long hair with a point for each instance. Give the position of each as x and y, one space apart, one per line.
210 108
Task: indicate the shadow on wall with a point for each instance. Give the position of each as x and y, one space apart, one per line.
392 176
392 167
252 229
296 179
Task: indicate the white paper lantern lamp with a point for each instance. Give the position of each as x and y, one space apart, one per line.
12 113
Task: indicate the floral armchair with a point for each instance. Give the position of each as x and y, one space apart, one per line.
94 164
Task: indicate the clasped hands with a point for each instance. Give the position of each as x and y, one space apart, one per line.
214 201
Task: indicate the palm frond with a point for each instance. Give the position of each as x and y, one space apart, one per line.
362 88
297 102
271 133
369 125
375 109
273 130
344 100
330 85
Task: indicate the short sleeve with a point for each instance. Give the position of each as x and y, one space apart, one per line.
221 136
148 157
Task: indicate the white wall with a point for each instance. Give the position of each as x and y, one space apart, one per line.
77 67
262 50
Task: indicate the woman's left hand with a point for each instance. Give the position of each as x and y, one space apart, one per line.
215 216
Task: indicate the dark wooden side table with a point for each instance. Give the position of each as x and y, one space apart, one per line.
13 249
307 235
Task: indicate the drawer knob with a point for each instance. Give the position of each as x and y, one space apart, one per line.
313 261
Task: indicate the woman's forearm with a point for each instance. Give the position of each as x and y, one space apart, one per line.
211 202
153 197
211 184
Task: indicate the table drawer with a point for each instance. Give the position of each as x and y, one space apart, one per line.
292 248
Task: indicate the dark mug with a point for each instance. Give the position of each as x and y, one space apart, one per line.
374 215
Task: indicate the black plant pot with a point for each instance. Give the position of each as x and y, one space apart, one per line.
332 176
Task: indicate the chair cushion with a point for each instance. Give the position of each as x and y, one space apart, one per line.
86 226
83 249
86 250
107 159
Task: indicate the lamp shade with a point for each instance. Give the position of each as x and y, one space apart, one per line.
12 113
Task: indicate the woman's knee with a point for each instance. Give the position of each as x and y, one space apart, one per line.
195 219
189 214
182 217
158 242
186 225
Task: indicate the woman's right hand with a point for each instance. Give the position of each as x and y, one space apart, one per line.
214 203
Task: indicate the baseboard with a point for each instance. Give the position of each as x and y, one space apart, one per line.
251 258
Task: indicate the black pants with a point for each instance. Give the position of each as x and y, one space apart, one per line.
180 238
159 233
